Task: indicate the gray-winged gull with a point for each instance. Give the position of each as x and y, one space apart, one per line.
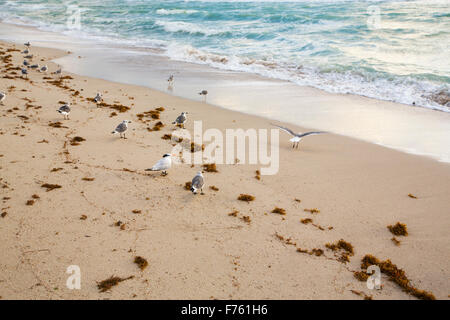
297 137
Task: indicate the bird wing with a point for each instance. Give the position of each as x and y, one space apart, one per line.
121 127
162 164
286 130
180 119
310 133
198 182
64 108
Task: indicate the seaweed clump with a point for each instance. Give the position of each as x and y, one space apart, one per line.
280 211
399 229
345 248
397 276
246 197
75 141
50 186
112 281
141 262
210 167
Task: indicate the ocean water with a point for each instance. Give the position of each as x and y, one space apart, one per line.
391 50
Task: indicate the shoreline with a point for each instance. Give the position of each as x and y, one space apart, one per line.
414 130
195 248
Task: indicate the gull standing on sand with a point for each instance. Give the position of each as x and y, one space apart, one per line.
44 69
162 165
197 183
2 97
203 93
297 137
24 72
121 128
98 97
26 51
27 44
181 119
59 71
26 63
65 110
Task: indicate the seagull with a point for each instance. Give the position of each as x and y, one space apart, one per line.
59 71
24 72
26 63
26 51
181 119
44 69
162 165
121 128
2 97
197 183
65 110
203 93
297 137
170 80
27 44
98 97
34 66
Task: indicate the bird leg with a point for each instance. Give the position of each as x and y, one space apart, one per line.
201 191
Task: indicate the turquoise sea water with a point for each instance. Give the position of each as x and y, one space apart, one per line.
390 50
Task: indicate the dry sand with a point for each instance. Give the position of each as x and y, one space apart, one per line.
194 248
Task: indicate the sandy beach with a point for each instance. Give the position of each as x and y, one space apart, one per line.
107 210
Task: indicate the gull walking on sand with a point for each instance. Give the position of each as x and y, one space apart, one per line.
65 110
98 97
163 164
197 183
203 93
181 119
2 97
297 137
121 128
44 69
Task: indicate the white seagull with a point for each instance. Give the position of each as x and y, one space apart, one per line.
65 110
2 97
121 128
163 164
197 183
27 44
181 119
297 137
44 69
